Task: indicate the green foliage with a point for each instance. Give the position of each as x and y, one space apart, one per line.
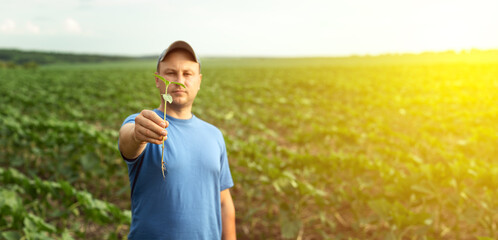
12 65
169 82
21 198
359 148
484 238
167 97
368 151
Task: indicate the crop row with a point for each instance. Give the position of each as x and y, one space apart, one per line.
26 204
81 151
316 151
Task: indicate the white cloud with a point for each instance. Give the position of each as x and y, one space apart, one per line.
32 28
8 26
72 26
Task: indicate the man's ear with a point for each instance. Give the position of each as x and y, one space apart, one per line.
157 80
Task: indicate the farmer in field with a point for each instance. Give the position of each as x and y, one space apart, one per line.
193 199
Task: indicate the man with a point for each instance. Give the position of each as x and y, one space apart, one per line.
193 200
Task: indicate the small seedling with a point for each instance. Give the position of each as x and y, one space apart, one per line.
167 98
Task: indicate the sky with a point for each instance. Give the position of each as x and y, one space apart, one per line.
273 28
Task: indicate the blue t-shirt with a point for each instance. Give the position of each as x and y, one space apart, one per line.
186 204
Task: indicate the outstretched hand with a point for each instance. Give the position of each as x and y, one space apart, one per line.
150 128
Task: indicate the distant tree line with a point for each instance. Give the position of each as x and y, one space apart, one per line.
11 58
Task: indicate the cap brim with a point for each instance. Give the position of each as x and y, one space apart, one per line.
179 45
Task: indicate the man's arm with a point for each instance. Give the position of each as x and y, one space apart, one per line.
227 216
133 137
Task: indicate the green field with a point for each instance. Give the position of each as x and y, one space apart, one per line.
389 147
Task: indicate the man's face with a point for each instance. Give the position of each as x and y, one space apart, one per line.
179 66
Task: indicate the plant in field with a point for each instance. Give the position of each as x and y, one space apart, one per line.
167 98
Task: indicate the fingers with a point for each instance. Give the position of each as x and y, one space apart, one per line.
152 116
150 139
150 128
147 133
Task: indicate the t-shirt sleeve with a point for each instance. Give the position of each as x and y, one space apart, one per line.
130 119
226 180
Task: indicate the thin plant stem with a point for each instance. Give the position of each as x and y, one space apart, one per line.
163 166
166 99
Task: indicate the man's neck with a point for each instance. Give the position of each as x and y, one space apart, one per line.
177 112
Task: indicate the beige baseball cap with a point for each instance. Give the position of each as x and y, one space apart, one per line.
178 45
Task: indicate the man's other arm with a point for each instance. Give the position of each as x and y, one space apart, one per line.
227 216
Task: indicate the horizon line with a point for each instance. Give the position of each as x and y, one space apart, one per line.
455 51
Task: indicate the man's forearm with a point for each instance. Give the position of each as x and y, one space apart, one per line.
228 220
128 145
